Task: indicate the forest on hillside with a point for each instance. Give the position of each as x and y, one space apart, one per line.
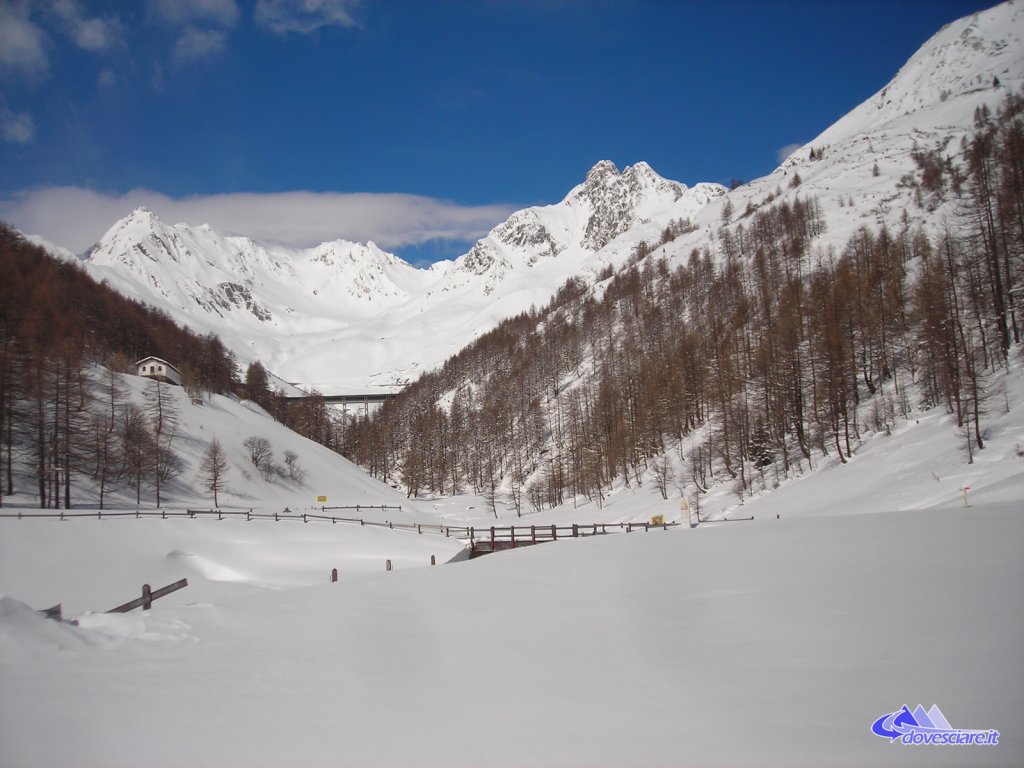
63 415
752 358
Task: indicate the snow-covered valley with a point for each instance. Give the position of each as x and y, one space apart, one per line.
806 588
778 640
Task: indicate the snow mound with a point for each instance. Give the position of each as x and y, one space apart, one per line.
204 566
24 632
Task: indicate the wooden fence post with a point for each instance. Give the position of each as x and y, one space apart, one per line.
533 534
147 597
388 566
433 560
554 533
334 575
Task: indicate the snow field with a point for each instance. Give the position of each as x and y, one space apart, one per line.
776 642
95 565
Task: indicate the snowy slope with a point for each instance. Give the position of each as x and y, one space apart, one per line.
231 422
946 79
929 104
345 317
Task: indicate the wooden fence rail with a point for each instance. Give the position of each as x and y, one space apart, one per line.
492 538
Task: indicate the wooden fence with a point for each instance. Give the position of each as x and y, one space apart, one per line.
493 538
512 535
220 514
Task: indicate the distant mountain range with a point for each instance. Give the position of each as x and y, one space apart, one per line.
347 317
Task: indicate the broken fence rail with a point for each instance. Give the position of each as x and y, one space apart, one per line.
148 596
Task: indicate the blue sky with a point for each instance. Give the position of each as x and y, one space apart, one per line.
417 124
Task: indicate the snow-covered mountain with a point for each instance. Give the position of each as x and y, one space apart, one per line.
859 164
349 317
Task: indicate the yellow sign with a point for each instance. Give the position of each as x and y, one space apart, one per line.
321 499
658 520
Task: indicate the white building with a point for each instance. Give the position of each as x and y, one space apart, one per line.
161 370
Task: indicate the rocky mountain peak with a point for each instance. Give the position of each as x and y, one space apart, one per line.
602 171
615 199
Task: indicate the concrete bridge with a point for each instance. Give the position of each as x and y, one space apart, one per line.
365 400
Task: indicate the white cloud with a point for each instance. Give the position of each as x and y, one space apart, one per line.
77 218
202 24
94 34
179 13
90 34
22 42
17 128
107 78
782 154
304 16
194 45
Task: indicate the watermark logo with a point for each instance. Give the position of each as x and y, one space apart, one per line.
919 728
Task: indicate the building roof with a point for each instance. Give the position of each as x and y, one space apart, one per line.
151 358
